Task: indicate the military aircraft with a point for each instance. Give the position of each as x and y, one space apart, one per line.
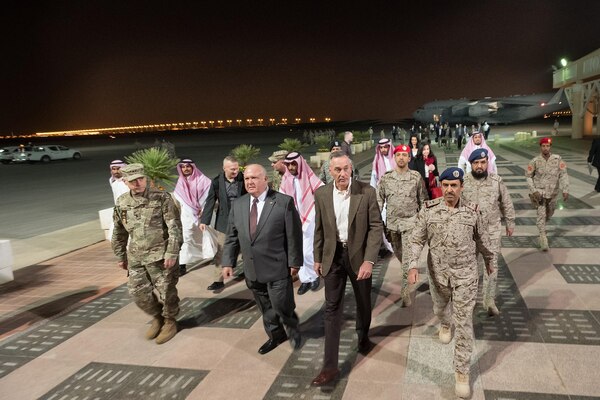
500 110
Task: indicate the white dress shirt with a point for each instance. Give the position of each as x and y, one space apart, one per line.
341 207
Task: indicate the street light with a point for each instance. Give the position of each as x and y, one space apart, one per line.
260 121
327 119
297 120
239 121
312 120
229 122
272 121
563 62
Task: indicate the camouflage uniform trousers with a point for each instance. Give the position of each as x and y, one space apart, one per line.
148 281
490 281
401 247
463 296
544 212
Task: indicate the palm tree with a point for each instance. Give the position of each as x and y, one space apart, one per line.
244 153
158 164
290 145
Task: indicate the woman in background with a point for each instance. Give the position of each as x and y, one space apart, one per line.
426 164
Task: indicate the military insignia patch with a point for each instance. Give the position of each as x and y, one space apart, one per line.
456 174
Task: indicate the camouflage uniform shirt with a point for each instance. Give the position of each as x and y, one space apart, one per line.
491 195
152 222
403 194
454 235
547 176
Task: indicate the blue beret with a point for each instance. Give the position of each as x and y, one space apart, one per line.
452 174
478 154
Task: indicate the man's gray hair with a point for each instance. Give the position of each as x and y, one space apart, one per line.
230 159
339 154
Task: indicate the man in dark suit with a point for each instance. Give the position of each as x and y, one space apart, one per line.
348 234
225 187
265 226
594 160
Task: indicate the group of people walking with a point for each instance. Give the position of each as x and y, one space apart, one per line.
331 228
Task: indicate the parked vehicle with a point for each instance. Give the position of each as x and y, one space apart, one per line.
45 153
7 154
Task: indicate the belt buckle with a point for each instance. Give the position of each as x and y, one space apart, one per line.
344 244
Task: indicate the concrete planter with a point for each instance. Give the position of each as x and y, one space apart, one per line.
323 155
6 262
106 221
315 161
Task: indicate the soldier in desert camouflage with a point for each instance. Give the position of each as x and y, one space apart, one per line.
151 220
402 191
489 191
455 231
546 176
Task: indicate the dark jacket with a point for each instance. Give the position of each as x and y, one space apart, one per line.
594 156
218 192
419 166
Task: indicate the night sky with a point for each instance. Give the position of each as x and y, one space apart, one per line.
92 64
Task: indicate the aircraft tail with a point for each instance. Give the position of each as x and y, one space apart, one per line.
557 97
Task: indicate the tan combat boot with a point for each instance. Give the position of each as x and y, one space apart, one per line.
543 242
492 310
445 334
462 388
406 300
169 329
154 329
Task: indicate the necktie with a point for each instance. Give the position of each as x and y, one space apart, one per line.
253 218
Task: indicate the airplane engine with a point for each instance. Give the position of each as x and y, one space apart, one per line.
480 110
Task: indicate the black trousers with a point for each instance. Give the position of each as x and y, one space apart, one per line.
275 301
335 284
597 188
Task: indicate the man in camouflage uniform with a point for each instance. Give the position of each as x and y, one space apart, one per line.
279 168
546 175
150 218
403 192
455 231
490 193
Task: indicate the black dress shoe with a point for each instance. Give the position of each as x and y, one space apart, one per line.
365 346
295 339
216 286
182 270
303 288
314 285
325 377
271 344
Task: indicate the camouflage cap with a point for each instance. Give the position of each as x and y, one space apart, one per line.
278 155
133 172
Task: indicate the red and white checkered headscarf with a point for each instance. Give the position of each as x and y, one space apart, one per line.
378 162
192 189
471 147
308 181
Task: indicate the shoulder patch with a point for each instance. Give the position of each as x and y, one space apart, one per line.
562 165
529 167
432 203
471 205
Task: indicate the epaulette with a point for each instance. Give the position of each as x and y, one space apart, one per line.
434 202
471 205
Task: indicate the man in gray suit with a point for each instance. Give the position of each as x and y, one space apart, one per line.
348 234
264 225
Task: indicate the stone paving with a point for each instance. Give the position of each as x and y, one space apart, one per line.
68 329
